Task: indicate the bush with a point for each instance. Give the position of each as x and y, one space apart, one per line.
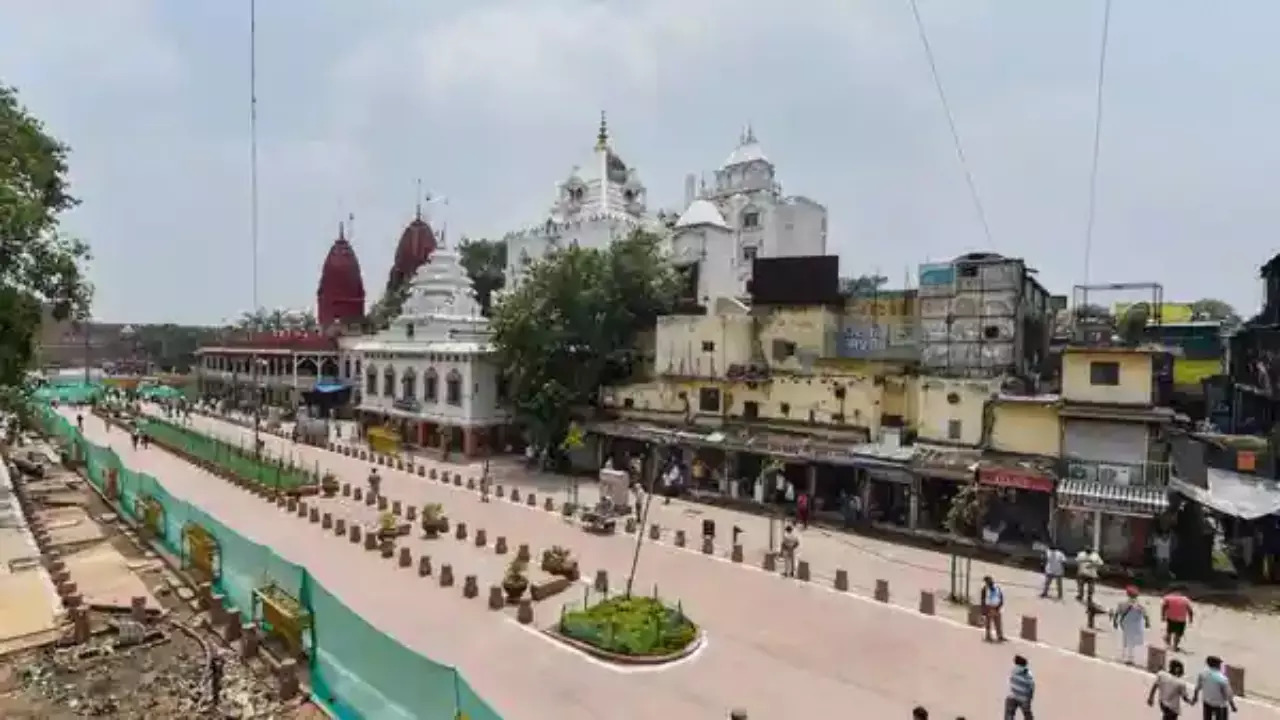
637 626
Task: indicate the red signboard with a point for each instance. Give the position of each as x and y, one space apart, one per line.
1014 478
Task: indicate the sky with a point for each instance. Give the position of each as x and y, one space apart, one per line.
492 102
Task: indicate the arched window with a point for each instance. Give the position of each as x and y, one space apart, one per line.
409 385
346 368
389 382
453 388
431 385
371 382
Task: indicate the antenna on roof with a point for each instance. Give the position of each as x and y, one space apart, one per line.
418 212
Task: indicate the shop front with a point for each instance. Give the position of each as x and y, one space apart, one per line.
891 496
1113 518
1020 502
940 472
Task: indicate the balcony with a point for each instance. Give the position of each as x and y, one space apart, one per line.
1149 474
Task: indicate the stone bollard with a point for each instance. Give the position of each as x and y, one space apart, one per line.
524 612
629 526
500 547
217 609
532 500
357 494
292 505
461 531
497 598
314 514
515 495
973 617
1156 657
249 641
549 505
446 575
928 605
422 471
74 600
66 589
80 630
471 483
680 541
382 503
282 502
424 565
736 554
842 580
302 509
138 608
770 562
1088 642
882 591
388 548
1031 629
411 513
370 541
1235 678
346 489
470 587
287 679
340 526
371 499
498 491
231 631
523 554
204 595
602 581
802 570
397 508
482 538
326 522
655 531
406 557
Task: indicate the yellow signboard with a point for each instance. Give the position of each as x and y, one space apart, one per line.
1169 312
1192 372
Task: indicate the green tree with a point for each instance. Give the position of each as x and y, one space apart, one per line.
570 326
264 320
40 269
1214 309
486 263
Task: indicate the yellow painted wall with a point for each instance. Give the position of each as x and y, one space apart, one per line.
812 329
941 400
1026 427
1191 372
680 338
1135 378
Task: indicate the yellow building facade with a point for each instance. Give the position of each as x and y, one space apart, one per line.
1108 376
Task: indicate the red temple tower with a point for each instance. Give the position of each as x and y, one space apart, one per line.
340 296
417 243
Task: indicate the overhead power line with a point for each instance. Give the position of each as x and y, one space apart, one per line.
951 122
1097 137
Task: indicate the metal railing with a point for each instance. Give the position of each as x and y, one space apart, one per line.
1148 474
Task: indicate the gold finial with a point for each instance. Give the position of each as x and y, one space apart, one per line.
602 138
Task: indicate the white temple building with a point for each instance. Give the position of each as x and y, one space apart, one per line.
431 373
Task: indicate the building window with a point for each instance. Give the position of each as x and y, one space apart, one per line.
408 331
953 430
453 388
785 408
751 219
357 368
431 385
409 384
389 382
708 346
371 382
750 410
749 253
709 400
1104 373
346 368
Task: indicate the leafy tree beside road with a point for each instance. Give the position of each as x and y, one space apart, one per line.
39 267
571 325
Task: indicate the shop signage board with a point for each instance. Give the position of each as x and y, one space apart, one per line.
1014 478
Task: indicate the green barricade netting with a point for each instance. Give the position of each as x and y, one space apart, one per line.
356 670
236 459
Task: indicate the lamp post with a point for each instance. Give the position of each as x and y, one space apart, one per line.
258 364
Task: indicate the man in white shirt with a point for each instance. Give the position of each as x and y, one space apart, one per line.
1088 563
1055 564
1171 690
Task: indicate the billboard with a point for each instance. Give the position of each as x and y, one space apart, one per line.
1169 312
937 275
802 280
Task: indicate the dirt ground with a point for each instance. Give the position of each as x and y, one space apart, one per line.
157 669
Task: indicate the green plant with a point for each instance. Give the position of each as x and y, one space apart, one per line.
387 522
641 626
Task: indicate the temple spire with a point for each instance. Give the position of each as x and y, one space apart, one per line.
418 210
602 137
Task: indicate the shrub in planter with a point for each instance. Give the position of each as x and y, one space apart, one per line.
515 582
559 561
433 520
329 484
387 526
634 626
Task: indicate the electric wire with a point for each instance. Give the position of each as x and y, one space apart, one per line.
1097 138
951 121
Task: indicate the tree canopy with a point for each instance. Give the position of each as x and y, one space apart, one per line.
264 320
571 324
486 264
40 269
1214 309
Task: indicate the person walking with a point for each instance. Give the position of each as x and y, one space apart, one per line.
1022 690
1131 618
790 543
1088 563
802 510
1177 614
1214 691
992 607
1055 566
1171 690
375 482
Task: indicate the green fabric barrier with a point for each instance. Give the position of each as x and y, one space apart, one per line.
235 459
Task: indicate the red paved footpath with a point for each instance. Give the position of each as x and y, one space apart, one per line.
781 649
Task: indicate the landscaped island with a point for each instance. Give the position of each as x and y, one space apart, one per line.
630 630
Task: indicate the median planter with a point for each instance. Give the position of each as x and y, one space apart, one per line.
433 521
329 485
559 561
515 582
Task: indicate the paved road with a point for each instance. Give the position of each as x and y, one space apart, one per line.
776 647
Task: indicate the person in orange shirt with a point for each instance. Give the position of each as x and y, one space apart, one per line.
1177 613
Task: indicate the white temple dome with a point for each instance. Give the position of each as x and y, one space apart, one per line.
702 212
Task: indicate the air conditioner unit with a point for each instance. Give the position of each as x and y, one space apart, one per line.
1114 474
1081 471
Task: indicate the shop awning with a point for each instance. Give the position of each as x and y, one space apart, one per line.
1140 500
1231 493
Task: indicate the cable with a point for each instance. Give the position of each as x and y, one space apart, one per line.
1097 138
951 122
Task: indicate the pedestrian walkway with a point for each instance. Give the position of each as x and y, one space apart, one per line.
779 648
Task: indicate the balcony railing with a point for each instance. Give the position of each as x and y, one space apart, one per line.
1149 474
